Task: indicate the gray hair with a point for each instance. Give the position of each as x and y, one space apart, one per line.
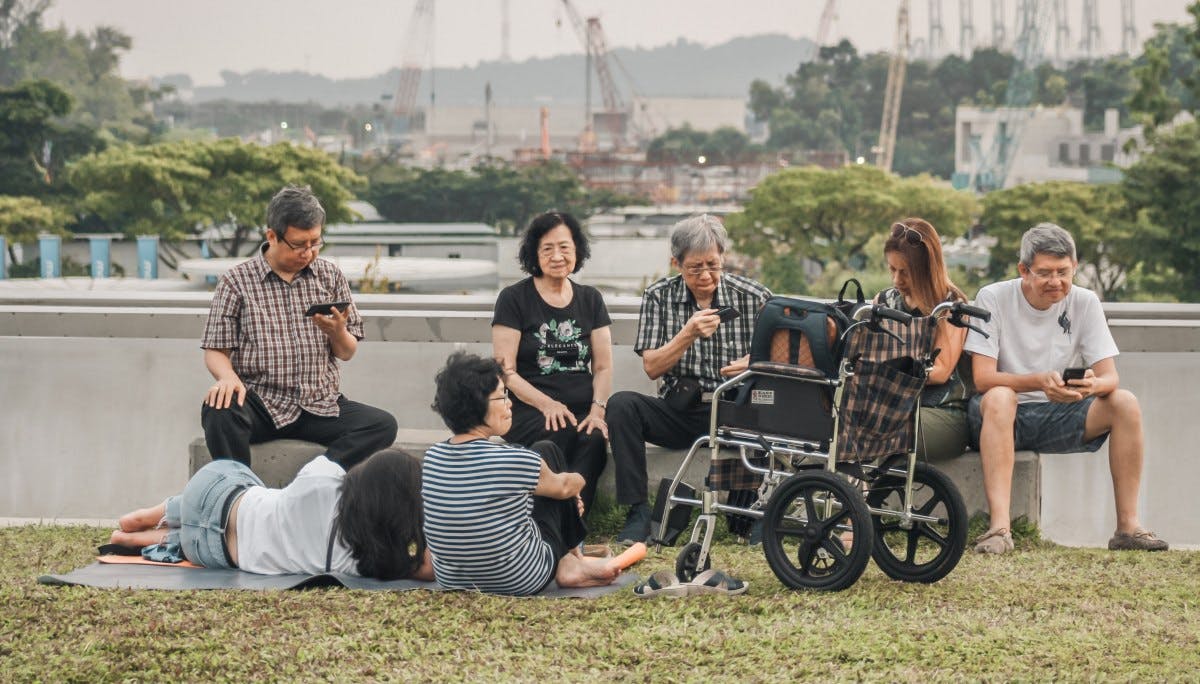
295 206
1046 238
698 234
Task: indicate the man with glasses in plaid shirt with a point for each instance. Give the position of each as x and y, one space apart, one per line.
276 369
682 341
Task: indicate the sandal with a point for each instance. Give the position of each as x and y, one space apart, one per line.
661 583
596 551
995 541
716 582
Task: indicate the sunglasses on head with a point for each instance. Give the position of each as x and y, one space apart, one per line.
910 234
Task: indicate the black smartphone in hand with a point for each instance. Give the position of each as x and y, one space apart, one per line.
326 308
1070 374
727 313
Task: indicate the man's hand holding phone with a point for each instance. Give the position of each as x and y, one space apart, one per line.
330 317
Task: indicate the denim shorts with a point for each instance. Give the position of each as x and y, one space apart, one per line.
197 516
1044 426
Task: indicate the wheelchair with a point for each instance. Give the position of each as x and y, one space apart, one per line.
825 419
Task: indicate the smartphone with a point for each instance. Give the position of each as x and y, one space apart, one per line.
727 313
326 308
1073 374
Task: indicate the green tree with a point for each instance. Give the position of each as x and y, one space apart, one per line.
1160 190
183 189
827 219
1095 215
23 218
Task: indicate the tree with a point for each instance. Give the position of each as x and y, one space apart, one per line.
26 127
23 218
1160 190
1095 215
182 189
827 218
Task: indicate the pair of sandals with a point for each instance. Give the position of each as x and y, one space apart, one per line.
665 583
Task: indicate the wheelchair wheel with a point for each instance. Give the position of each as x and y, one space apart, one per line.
803 532
929 550
687 561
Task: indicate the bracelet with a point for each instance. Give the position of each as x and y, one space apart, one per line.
601 404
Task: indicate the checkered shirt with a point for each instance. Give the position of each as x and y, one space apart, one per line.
277 351
668 304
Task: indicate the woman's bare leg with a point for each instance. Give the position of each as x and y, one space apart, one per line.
576 570
142 518
138 539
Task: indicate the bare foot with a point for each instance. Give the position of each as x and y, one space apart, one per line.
142 518
138 539
575 570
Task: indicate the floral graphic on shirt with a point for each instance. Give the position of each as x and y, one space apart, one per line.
561 347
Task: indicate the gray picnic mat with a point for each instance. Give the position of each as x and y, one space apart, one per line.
134 576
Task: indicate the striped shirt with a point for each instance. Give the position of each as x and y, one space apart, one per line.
478 518
278 352
668 304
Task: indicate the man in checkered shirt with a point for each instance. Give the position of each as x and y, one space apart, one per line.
276 370
679 336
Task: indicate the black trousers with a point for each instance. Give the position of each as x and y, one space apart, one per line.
633 420
557 519
353 435
583 453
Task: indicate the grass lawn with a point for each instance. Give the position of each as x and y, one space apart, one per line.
1043 612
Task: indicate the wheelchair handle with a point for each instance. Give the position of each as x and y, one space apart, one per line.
972 311
881 311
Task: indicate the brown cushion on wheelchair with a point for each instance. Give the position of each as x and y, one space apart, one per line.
787 369
781 345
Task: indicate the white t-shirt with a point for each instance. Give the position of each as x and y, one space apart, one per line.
1024 340
286 531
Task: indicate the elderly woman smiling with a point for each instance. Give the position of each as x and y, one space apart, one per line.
552 337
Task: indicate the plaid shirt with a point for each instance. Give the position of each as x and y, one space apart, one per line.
275 349
668 304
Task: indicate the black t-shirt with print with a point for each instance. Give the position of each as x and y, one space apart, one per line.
555 352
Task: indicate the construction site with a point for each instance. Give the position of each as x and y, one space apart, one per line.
605 138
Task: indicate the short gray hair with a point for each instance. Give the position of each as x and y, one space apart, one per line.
698 234
295 206
1046 238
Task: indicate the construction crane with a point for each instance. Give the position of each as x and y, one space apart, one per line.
892 93
1090 43
999 37
828 15
937 38
991 169
505 55
1062 32
591 34
1128 28
417 43
966 27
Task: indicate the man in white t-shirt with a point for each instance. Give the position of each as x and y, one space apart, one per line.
1041 326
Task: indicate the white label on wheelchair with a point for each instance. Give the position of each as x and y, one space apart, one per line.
762 397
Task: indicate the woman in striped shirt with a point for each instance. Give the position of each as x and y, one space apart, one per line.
500 519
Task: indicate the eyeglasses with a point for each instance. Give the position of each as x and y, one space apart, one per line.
1060 274
910 234
696 271
300 249
549 249
502 397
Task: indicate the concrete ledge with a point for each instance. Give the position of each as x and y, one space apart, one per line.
277 463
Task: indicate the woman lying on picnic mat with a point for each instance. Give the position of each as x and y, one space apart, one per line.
364 522
499 518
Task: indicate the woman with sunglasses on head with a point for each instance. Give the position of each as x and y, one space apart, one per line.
919 283
552 337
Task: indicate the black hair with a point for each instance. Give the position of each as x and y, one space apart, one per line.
527 254
295 206
380 515
463 386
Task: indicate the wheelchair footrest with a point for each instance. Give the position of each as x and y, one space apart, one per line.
678 518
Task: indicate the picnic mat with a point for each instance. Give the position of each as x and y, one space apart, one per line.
128 572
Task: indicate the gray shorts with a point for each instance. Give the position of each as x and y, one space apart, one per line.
1044 426
198 516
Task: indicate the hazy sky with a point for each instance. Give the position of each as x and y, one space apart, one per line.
356 38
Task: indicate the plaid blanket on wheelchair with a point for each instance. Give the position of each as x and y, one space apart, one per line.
878 401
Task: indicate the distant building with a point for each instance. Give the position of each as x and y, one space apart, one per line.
1040 144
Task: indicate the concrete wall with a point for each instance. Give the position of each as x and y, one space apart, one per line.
99 400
